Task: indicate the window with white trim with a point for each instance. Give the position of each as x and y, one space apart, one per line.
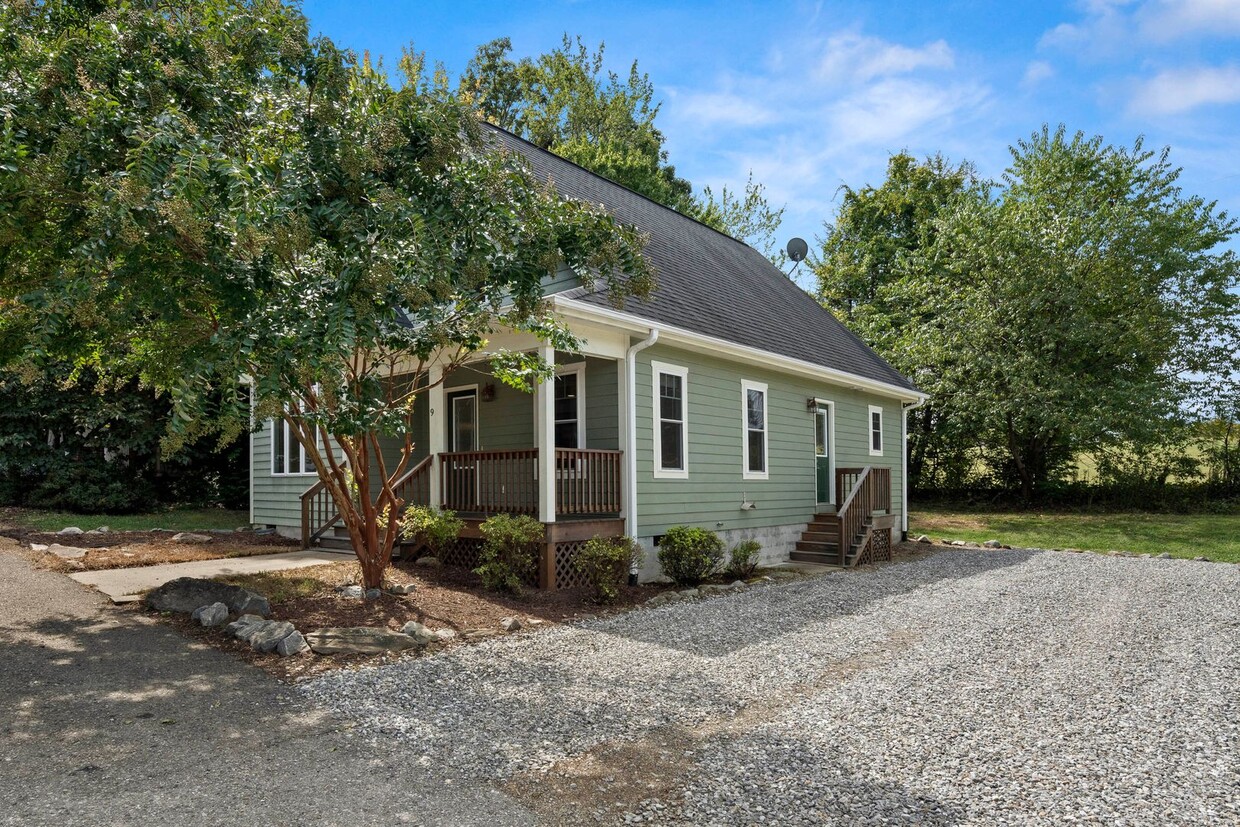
671 421
876 431
754 421
288 456
570 406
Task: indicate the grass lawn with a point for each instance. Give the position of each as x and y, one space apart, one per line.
1216 536
178 519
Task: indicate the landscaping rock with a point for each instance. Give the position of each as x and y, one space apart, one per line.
364 639
402 588
1164 556
688 594
420 633
373 594
446 634
921 538
713 588
267 637
214 614
39 547
243 625
190 537
1202 559
992 544
958 543
428 562
738 585
510 624
294 644
188 593
69 531
66 552
353 591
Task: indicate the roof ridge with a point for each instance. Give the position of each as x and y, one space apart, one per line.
630 190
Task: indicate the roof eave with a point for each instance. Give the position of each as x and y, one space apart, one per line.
692 340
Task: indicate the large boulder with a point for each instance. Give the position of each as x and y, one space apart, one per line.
365 639
268 637
191 537
188 593
66 552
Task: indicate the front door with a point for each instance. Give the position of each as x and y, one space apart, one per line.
822 454
461 477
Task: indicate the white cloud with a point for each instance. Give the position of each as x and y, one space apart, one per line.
854 57
720 108
890 112
1036 72
1176 91
1163 20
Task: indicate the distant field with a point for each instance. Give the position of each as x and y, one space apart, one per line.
1213 535
180 519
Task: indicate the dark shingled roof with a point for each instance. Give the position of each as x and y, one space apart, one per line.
709 282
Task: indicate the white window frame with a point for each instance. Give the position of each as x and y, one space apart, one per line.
578 368
746 473
656 370
288 440
869 430
451 415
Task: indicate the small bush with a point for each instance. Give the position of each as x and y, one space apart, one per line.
606 563
743 559
429 525
510 552
690 555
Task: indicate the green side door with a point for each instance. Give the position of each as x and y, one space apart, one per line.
822 453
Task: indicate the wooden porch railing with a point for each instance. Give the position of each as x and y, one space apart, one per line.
587 481
318 509
490 482
869 490
318 513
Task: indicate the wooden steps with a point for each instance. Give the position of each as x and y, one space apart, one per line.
820 542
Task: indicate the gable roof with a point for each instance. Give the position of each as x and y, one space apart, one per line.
708 282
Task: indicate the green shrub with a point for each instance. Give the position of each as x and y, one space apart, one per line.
743 559
429 525
510 552
689 555
606 563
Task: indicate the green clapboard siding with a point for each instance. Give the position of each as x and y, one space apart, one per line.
712 493
562 279
276 498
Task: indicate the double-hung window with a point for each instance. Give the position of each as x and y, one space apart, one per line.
671 425
287 454
876 431
754 422
570 406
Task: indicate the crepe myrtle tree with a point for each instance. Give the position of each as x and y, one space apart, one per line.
198 192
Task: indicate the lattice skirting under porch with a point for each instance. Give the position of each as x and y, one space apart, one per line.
566 575
463 552
878 549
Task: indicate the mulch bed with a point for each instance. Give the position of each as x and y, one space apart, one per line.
446 598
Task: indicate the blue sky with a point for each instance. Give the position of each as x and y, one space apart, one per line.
811 96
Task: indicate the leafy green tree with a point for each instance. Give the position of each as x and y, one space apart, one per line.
863 273
203 188
563 101
1074 307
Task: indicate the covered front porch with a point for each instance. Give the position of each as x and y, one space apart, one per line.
483 448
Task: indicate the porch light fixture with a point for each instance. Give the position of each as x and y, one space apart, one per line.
488 392
811 404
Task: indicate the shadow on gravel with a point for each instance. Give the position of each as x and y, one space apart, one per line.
107 719
721 626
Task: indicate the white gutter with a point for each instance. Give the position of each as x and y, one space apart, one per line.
904 460
630 367
714 345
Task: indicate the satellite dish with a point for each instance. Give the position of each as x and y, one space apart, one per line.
797 249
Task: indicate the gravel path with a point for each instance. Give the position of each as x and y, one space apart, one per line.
963 687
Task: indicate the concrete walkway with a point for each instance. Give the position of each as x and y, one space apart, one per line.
110 718
127 585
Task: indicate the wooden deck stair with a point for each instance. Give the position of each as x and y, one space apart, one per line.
820 542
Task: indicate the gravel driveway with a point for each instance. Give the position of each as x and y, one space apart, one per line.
963 687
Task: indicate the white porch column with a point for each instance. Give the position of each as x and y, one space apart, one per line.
623 429
437 430
544 439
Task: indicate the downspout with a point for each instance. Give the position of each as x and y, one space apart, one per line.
905 408
630 367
